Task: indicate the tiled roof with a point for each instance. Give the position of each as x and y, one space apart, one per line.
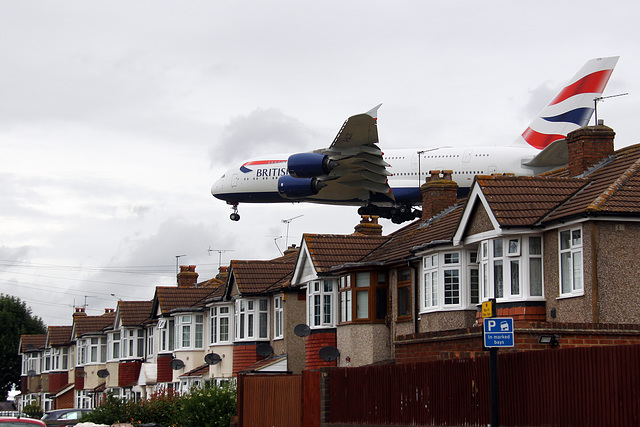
519 201
329 250
613 189
134 313
211 283
255 276
403 242
93 324
197 372
172 298
59 335
32 342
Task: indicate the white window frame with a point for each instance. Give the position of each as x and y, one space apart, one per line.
322 295
445 283
221 324
511 258
571 262
252 319
278 317
114 346
132 343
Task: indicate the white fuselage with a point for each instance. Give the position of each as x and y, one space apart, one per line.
256 180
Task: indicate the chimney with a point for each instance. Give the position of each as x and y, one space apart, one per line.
79 312
438 193
588 146
109 310
369 226
291 249
223 273
187 278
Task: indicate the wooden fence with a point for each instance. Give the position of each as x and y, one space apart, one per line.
594 386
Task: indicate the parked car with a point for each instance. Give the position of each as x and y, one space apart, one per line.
19 422
64 417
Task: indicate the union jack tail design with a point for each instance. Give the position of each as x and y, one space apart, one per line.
573 107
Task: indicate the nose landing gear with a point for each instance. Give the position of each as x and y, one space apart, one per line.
234 216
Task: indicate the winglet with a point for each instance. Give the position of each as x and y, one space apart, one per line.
374 112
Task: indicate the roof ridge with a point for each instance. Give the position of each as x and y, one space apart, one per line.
599 202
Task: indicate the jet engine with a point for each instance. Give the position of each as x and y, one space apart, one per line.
293 188
309 165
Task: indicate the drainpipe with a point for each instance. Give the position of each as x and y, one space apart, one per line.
594 275
416 304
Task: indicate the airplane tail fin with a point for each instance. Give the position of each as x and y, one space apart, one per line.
573 107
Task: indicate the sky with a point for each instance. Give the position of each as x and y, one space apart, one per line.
116 117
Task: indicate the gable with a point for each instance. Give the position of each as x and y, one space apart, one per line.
479 221
305 270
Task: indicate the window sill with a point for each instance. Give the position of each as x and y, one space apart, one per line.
567 296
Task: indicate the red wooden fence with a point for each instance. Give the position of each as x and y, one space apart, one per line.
596 386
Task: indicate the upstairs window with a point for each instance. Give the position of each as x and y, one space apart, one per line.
114 346
571 269
278 317
252 318
321 296
220 324
363 297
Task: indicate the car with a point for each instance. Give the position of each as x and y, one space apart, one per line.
19 422
64 417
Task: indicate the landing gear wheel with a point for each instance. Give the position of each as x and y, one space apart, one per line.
234 216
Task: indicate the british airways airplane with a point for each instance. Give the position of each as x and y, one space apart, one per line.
354 171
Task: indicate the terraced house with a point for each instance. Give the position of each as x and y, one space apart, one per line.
555 251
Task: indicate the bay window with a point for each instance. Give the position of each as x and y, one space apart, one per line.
191 330
220 317
450 280
511 268
252 318
114 346
132 343
363 296
571 275
321 295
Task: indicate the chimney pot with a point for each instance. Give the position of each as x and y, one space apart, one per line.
187 278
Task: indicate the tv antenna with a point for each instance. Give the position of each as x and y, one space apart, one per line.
275 242
220 252
602 98
288 221
177 261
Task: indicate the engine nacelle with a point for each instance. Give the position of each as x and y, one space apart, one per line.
297 188
309 165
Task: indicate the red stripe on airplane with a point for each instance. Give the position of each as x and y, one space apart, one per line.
539 140
593 83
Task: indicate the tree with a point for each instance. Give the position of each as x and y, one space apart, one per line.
15 320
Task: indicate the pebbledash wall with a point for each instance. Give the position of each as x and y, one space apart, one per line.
465 343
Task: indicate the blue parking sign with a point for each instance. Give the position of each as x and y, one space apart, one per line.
498 332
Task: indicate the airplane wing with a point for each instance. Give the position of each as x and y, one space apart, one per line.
360 168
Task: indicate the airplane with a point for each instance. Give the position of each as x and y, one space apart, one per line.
354 171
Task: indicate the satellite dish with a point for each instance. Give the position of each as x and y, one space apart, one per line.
212 358
328 353
264 350
31 373
176 364
103 373
29 346
302 330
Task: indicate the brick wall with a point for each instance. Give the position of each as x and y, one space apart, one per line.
244 355
57 380
128 373
79 382
465 343
164 371
65 401
313 343
529 311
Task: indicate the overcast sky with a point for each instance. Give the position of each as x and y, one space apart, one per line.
117 116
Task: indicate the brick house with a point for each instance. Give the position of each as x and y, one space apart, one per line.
265 309
31 349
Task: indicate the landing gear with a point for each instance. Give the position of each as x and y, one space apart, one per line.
234 216
397 214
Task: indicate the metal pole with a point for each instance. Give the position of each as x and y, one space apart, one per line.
493 375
